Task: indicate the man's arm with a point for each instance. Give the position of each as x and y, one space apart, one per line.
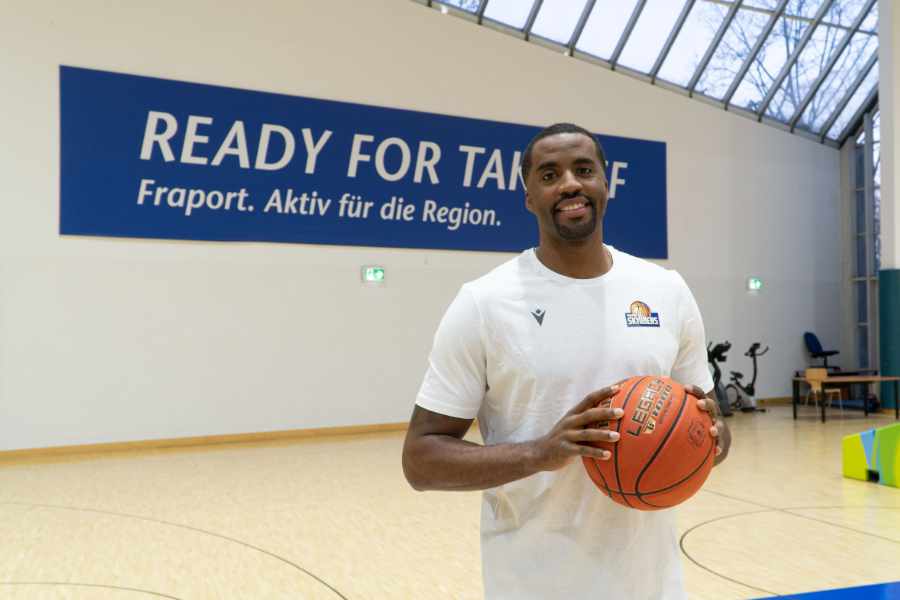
690 366
435 457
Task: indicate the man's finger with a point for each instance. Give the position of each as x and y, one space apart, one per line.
593 435
695 391
585 450
709 406
594 398
601 414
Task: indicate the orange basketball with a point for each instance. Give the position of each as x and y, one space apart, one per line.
664 452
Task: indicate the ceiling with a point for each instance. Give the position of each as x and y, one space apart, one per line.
806 66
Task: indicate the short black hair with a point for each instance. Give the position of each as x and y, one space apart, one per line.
553 130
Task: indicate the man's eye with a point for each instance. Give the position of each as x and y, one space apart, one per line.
586 171
548 176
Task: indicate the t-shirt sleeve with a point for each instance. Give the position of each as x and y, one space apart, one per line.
690 366
456 380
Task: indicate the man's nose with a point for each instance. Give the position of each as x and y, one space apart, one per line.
569 184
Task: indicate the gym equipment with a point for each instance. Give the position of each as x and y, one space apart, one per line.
742 396
715 355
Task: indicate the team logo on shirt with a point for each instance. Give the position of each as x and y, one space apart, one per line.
639 315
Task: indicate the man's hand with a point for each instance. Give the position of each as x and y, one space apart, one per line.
573 435
719 429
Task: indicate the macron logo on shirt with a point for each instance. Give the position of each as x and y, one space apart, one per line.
538 315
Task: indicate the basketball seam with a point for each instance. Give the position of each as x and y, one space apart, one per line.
637 482
677 483
618 430
686 477
591 463
668 487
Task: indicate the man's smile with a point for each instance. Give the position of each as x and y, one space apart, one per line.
573 207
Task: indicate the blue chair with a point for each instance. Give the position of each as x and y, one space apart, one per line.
815 348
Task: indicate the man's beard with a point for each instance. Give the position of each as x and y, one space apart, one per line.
577 231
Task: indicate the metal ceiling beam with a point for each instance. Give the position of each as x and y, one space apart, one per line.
670 41
582 21
870 103
851 91
532 16
480 12
623 39
754 52
786 69
853 124
710 51
798 17
807 100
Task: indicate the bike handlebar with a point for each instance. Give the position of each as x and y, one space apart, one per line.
753 350
717 352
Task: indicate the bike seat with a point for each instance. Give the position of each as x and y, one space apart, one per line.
737 375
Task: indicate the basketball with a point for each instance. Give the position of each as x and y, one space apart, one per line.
664 453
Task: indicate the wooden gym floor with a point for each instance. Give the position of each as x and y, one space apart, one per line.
333 518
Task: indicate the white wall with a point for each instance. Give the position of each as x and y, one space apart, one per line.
109 340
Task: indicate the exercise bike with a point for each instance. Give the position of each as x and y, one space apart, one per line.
742 396
715 355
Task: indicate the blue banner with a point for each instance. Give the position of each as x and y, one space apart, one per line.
153 158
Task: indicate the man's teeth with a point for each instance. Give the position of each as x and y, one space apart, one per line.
572 207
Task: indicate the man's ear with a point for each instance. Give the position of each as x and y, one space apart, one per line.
528 204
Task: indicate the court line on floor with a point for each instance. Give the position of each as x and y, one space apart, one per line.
91 585
188 527
716 573
789 510
764 509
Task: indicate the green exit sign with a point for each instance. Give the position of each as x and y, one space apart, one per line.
754 284
371 274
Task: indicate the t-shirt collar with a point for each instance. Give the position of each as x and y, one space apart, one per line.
543 271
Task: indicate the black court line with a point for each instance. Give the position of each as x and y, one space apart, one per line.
789 510
92 585
714 572
190 528
764 509
808 518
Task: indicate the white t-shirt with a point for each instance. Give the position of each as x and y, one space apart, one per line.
518 348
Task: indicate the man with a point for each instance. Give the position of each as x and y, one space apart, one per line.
531 349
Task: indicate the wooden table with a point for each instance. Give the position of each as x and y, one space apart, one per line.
845 379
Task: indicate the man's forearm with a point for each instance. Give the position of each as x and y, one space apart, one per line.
443 462
435 457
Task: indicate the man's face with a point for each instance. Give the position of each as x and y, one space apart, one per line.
566 187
